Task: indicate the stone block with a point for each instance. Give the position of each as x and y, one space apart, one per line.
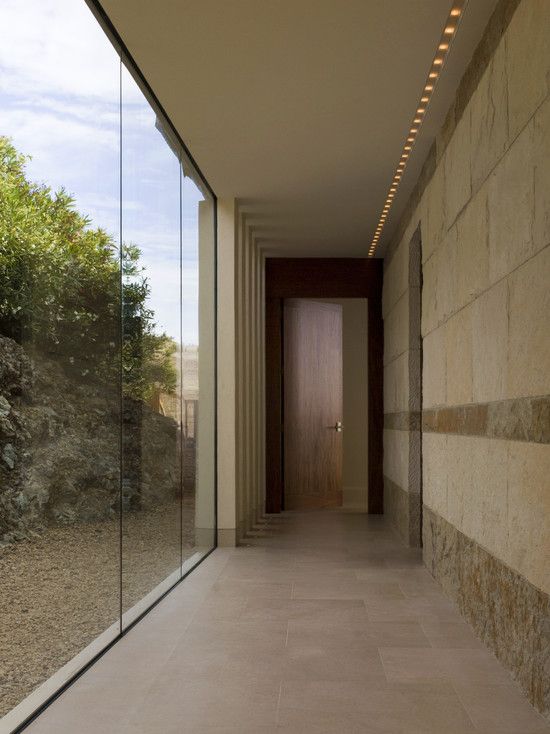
486 509
527 61
396 457
459 477
489 118
459 357
396 385
439 287
511 192
472 250
433 224
541 156
434 472
396 329
396 277
490 344
529 511
434 369
508 613
529 328
458 183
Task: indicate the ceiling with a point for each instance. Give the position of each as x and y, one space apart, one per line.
300 107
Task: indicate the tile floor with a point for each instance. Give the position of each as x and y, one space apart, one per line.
324 624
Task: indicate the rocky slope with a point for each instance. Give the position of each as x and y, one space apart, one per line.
60 448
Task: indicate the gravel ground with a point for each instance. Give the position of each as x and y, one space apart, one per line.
60 591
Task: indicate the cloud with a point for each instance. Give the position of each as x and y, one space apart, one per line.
60 101
73 50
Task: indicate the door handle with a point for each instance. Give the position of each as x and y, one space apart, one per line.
338 427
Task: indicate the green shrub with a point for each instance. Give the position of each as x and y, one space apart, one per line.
61 284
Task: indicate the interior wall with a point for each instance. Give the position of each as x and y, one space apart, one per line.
483 207
355 399
241 381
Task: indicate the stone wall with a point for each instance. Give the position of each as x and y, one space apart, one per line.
483 208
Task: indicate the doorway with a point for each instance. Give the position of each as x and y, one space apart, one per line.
325 395
329 281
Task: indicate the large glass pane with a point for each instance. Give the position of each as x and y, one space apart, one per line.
59 341
151 362
198 327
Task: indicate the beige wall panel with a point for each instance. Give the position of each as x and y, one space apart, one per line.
528 61
396 457
433 224
440 287
472 250
489 118
529 510
434 472
490 344
227 376
396 278
434 372
541 233
458 183
511 207
477 490
459 357
485 517
396 329
459 477
396 385
529 355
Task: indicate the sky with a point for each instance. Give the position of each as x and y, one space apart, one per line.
60 103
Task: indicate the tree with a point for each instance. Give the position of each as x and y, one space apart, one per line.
62 283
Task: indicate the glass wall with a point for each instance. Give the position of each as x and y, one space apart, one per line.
107 350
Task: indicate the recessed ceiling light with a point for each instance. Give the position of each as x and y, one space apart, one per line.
437 64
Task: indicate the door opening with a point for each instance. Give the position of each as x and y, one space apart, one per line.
341 281
325 403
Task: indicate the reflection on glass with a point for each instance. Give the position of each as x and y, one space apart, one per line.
59 340
107 349
151 473
198 369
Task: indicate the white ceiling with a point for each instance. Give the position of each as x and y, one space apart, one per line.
300 107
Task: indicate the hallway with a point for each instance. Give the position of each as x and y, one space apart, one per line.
325 623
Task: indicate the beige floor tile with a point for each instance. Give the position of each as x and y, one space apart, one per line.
336 589
323 624
503 708
454 635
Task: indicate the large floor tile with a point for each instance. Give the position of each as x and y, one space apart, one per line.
323 624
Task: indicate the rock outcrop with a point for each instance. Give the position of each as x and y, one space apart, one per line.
60 456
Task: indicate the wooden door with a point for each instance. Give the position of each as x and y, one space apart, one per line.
312 381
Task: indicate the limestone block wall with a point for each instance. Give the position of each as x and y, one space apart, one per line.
483 208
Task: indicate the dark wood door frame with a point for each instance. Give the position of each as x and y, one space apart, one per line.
322 278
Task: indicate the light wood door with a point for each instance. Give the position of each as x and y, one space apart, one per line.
312 382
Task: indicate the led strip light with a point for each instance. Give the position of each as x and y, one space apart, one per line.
443 47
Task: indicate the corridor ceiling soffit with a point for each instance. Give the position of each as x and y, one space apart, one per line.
302 107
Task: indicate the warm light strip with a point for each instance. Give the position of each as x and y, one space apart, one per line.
443 48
